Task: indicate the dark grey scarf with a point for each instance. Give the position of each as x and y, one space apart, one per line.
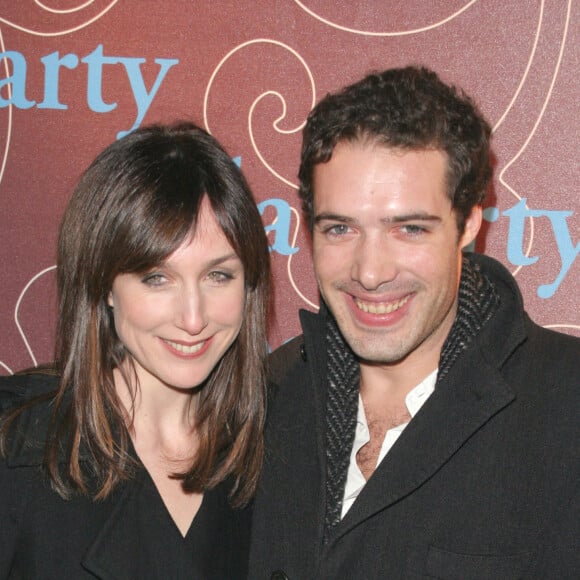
478 300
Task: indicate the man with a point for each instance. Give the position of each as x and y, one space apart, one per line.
423 425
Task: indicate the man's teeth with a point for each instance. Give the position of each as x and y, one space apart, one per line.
381 307
185 349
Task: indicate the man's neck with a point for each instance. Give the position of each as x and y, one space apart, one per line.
383 394
388 385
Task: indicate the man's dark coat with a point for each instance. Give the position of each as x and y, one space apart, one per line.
484 483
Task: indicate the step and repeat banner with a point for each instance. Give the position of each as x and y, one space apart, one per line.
76 75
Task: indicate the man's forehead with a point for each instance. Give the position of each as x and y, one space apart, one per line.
360 167
370 142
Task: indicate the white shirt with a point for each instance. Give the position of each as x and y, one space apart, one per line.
355 480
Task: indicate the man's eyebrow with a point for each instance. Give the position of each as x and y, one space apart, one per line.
414 216
411 217
325 216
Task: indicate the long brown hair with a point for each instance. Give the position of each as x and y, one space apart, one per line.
132 208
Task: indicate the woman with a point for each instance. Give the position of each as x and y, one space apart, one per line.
139 460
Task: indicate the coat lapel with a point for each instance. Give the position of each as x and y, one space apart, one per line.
314 327
117 551
460 405
113 553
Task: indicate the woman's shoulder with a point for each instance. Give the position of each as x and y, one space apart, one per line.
19 388
33 393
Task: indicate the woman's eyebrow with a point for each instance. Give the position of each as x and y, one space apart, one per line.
222 259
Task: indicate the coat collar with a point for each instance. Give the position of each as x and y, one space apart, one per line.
506 330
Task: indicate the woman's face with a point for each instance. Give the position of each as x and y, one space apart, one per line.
177 320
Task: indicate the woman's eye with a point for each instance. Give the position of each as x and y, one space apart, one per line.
219 276
153 279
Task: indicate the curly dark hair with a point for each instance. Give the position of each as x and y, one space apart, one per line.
405 108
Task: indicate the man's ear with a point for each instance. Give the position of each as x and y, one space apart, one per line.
472 226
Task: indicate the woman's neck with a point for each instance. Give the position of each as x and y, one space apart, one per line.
160 418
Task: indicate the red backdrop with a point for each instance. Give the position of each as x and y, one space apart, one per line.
74 74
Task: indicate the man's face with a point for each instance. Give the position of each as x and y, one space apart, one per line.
387 253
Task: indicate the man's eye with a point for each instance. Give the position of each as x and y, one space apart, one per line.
337 230
413 230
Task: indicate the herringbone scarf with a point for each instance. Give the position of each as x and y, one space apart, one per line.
478 300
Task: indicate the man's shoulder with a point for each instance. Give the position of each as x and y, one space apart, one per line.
557 350
559 340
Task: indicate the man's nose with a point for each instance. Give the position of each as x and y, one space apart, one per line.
374 262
